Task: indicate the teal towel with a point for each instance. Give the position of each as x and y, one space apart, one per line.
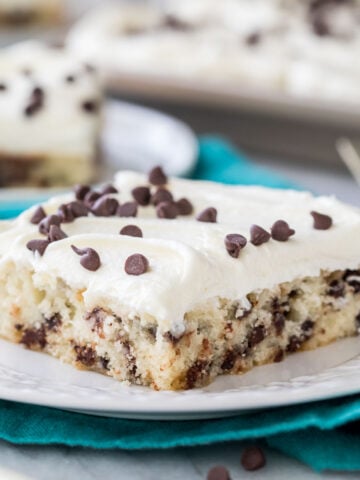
319 434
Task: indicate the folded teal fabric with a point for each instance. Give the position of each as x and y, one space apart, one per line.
321 434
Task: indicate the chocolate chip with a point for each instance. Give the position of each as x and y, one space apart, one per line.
127 209
294 344
65 213
56 234
253 458
105 207
281 231
352 278
38 246
45 224
34 337
279 322
3 87
70 79
91 197
54 322
81 191
197 371
89 258
279 356
175 23
131 231
336 289
78 209
37 216
258 235
35 103
90 106
228 361
157 176
184 206
257 335
161 195
89 68
321 221
253 39
141 195
307 325
167 210
208 215
218 473
234 243
136 264
108 189
86 355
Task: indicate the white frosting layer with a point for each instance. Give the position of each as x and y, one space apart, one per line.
188 260
289 55
61 126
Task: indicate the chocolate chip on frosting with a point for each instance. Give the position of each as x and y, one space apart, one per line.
38 245
234 243
108 189
136 264
184 206
157 176
70 78
161 195
127 209
131 231
105 206
208 215
45 224
281 231
90 106
56 234
37 216
167 210
91 197
36 102
141 195
321 221
258 235
78 209
89 258
80 191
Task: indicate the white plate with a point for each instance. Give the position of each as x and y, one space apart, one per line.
36 378
134 137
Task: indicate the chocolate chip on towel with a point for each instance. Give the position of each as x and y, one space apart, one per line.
131 231
281 231
258 235
321 221
218 473
157 176
253 458
89 258
38 246
37 216
234 243
136 264
208 215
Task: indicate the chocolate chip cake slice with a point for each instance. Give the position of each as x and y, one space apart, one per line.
50 106
169 283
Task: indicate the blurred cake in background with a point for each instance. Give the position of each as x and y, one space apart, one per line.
300 47
50 116
24 13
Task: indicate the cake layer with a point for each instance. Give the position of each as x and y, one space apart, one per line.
169 283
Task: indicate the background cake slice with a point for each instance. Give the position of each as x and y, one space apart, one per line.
169 283
50 117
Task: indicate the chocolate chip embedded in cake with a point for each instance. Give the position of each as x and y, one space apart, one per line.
172 304
56 139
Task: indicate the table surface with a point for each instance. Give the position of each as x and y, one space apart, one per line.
59 463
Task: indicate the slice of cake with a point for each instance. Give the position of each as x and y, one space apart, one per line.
50 109
170 283
25 13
